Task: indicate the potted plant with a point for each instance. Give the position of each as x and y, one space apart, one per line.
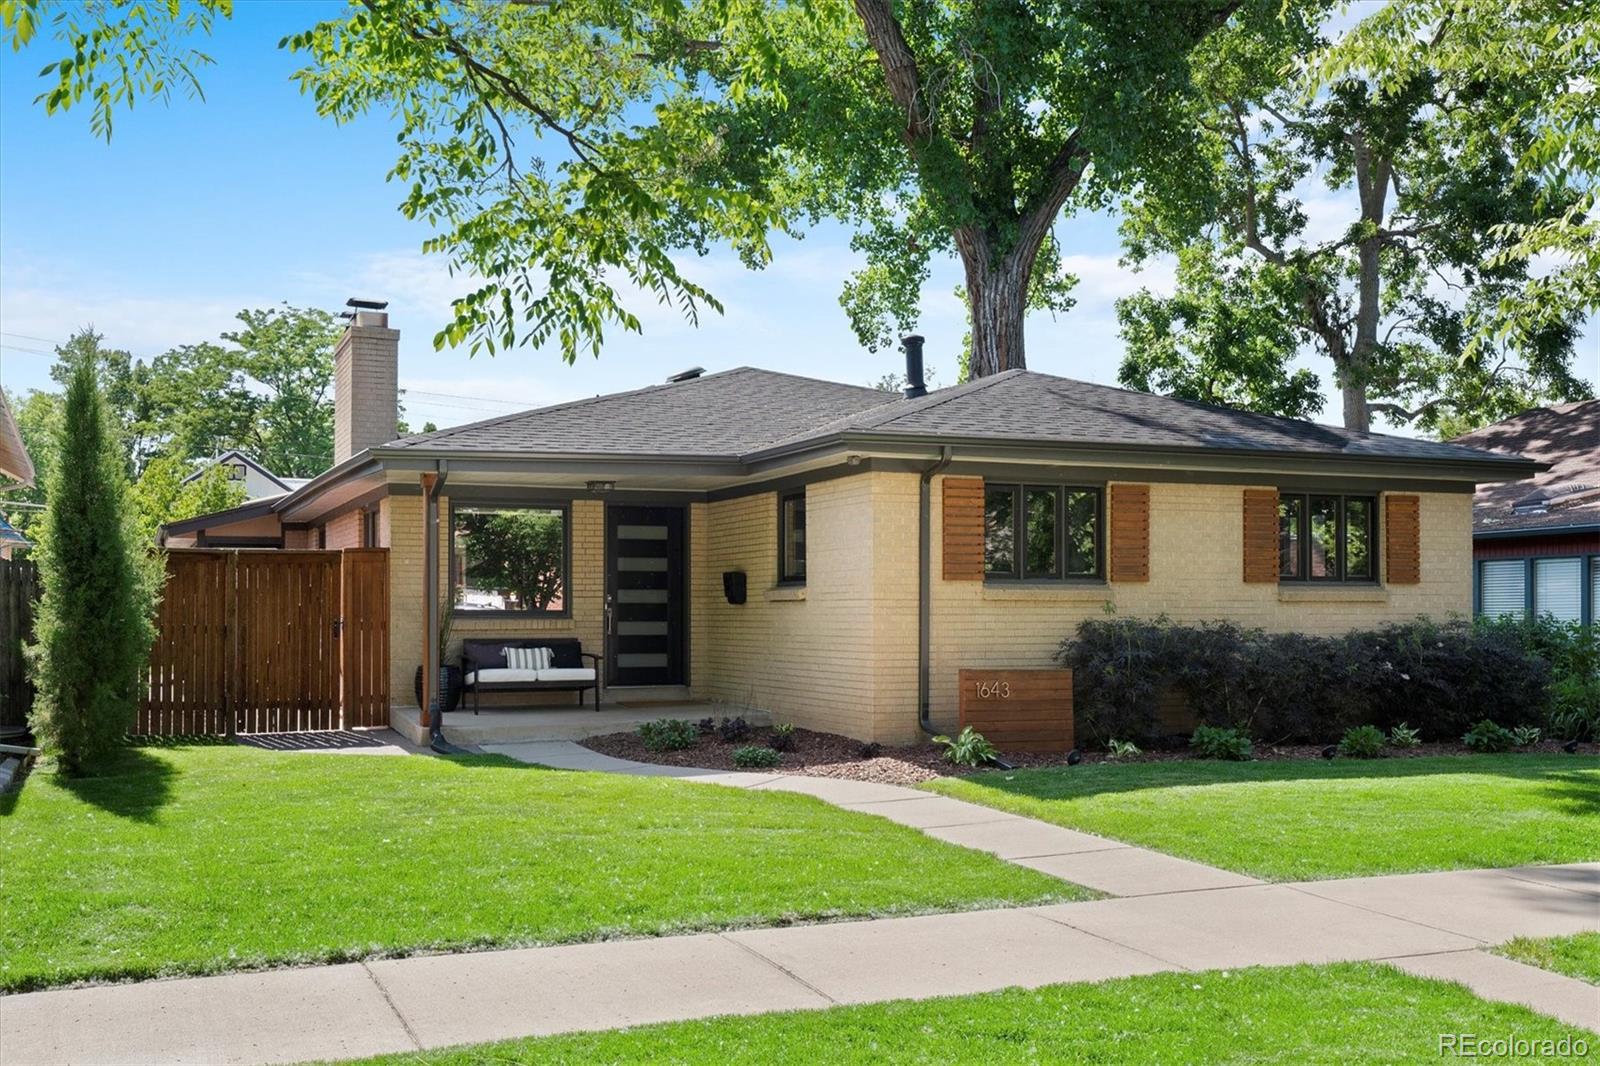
450 676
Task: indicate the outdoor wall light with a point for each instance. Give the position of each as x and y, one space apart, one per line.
600 486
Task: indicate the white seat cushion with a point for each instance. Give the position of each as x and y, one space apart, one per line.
501 674
566 673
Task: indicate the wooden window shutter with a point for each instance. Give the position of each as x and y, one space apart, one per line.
1130 533
963 529
1260 536
1402 539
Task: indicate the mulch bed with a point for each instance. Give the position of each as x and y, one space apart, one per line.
830 755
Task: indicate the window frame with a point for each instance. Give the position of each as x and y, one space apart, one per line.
1018 573
1588 567
369 526
564 506
1341 538
784 577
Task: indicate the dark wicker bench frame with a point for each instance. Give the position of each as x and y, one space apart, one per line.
470 665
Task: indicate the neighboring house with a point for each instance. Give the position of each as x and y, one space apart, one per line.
1536 541
835 554
11 541
14 462
259 482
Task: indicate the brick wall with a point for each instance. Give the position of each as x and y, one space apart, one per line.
344 531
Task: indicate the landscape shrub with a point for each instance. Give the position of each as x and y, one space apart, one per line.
782 737
970 748
753 757
1575 709
1525 736
1218 742
1123 749
1572 652
1362 742
96 619
733 730
1284 687
1403 736
669 734
1487 737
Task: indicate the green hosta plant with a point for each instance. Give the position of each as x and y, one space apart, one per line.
1525 736
1403 736
1486 736
755 757
970 748
1123 749
669 734
1362 742
1216 742
782 738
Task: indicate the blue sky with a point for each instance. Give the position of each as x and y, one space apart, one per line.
198 209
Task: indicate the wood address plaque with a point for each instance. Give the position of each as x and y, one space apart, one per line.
1019 710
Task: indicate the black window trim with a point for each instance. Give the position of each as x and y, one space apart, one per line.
784 577
1375 539
1019 498
498 504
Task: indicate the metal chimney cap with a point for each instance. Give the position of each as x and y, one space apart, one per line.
366 305
686 375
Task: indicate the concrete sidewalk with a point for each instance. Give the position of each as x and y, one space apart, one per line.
1432 924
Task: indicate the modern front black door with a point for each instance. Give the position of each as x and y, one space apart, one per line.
645 632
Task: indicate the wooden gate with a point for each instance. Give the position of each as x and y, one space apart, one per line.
19 590
269 642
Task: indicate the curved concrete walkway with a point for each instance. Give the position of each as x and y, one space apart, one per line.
1435 925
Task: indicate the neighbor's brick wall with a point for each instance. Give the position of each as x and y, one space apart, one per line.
1196 573
344 531
842 658
403 522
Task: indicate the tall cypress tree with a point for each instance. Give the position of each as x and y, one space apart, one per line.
95 621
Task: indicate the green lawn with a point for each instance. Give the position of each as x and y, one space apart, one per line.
201 858
1576 956
1310 819
1294 1015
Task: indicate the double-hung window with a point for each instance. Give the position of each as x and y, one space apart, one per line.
1327 537
1041 532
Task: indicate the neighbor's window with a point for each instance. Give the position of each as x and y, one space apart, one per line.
1041 531
792 537
510 559
1327 537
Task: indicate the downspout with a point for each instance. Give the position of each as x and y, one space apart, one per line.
430 601
925 582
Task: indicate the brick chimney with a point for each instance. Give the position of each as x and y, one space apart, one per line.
366 380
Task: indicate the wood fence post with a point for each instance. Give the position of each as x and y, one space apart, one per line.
231 646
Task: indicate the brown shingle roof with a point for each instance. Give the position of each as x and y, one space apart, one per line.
1567 436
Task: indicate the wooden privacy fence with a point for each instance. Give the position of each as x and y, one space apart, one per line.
19 590
270 642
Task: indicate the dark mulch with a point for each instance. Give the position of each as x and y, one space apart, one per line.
830 755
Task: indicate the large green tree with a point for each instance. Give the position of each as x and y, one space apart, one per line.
571 153
95 621
1427 193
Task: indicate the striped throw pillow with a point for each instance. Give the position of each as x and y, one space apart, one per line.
522 658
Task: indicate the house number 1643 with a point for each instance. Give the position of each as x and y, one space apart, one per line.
993 690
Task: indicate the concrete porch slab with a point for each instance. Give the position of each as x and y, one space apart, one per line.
941 955
1267 925
1491 906
321 1012
522 725
496 995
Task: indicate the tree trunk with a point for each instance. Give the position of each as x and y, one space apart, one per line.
997 298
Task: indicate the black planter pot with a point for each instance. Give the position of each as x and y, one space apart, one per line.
450 683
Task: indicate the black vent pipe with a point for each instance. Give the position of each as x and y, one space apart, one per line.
915 385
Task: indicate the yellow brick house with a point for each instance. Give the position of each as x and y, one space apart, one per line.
835 554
